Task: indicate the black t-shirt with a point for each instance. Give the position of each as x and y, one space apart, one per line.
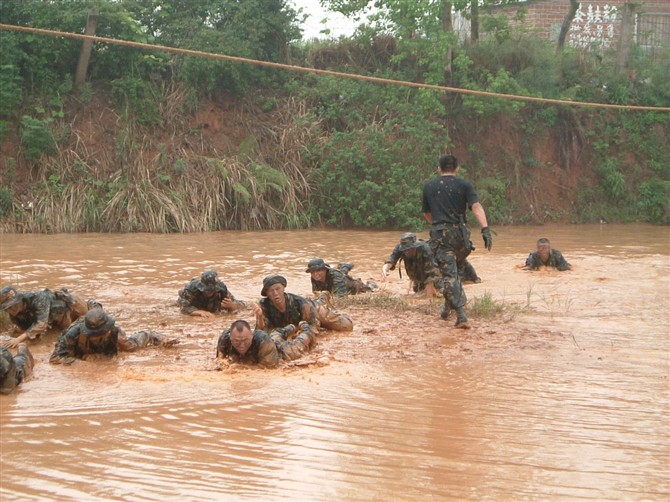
447 198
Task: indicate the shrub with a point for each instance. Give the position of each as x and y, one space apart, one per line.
6 201
37 137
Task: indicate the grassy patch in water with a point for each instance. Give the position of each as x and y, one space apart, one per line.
482 307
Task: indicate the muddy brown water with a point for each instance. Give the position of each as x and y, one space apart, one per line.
562 397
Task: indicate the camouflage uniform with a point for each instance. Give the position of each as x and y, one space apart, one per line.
97 333
556 260
338 281
316 312
269 350
14 369
420 266
42 309
193 296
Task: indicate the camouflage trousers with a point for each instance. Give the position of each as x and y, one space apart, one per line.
295 348
139 340
450 247
330 318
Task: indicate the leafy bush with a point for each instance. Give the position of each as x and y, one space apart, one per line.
6 201
137 97
654 201
372 177
37 137
11 92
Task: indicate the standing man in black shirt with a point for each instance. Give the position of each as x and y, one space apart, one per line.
445 200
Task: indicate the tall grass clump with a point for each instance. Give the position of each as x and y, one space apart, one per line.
144 186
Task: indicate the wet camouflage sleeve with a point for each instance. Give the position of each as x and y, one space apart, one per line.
38 305
394 257
138 340
559 262
66 346
187 297
300 345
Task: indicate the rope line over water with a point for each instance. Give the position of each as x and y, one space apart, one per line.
288 67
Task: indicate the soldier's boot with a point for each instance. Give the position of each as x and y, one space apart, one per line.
93 304
323 298
371 286
445 311
345 267
461 319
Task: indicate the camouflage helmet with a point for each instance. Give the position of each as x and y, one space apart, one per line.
407 241
208 280
271 280
9 297
316 264
97 322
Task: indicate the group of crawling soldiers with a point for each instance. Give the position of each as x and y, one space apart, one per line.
286 324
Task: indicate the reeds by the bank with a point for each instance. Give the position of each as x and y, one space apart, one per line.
173 180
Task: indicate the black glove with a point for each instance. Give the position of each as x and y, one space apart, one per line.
488 240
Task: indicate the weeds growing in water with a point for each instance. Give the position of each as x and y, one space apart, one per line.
482 307
485 306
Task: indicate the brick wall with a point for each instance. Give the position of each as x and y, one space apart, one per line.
597 22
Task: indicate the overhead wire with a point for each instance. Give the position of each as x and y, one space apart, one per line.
332 73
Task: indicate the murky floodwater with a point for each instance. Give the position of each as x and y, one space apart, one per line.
564 397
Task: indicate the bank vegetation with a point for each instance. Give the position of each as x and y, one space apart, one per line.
157 142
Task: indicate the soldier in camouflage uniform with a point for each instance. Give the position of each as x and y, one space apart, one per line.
14 369
445 200
546 256
240 344
419 264
279 309
336 280
99 334
35 312
206 296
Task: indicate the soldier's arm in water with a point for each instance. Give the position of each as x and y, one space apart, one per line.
64 352
232 304
309 316
261 320
268 355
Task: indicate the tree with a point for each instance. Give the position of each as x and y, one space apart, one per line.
567 22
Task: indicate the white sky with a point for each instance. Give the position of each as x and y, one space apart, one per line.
337 24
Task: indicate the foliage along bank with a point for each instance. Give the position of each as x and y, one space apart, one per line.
163 143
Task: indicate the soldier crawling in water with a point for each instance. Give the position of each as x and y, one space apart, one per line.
546 256
421 267
97 333
279 309
207 296
240 344
34 312
336 280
